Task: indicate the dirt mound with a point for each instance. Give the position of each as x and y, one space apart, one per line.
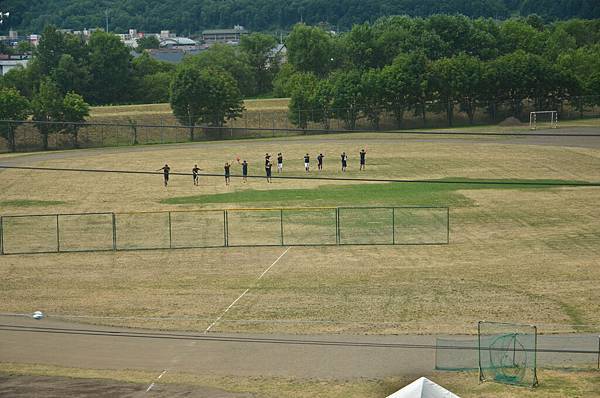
510 121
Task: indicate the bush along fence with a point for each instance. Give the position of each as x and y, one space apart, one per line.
30 135
57 233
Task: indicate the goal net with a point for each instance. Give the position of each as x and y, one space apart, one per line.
507 353
543 119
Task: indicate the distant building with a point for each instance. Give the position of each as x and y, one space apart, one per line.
228 36
279 52
8 62
177 42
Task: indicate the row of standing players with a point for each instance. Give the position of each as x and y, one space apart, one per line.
268 165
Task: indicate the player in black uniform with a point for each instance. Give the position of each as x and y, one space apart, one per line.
166 169
244 171
307 163
344 161
279 163
227 166
268 171
320 161
362 154
195 171
267 159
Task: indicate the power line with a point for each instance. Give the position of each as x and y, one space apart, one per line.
265 340
346 179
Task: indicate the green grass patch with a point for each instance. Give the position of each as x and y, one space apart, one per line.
30 203
388 194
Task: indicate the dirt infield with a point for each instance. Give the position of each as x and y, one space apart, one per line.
17 386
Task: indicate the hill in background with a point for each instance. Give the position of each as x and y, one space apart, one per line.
192 16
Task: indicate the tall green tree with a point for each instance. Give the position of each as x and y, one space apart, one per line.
346 90
13 106
361 47
372 96
74 111
207 95
47 109
311 49
70 75
110 66
397 81
229 59
259 51
303 99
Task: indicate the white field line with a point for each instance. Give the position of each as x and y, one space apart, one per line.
158 378
246 291
176 358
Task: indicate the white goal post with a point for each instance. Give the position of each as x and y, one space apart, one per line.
533 119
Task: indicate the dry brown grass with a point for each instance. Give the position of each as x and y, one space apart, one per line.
515 255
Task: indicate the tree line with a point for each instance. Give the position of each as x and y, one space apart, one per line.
192 16
397 65
400 64
67 71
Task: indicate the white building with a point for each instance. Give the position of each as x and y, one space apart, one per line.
8 62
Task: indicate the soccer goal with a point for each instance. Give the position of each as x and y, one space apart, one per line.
543 119
507 353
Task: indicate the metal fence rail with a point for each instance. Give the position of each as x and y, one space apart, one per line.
58 233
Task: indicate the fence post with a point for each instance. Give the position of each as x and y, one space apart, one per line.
281 224
337 225
447 225
225 229
114 228
170 234
393 225
57 235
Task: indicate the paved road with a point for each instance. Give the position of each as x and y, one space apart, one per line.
301 356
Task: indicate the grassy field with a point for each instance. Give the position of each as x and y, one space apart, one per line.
517 246
517 253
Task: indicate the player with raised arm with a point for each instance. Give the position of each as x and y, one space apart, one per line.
195 171
320 161
245 171
362 154
227 167
166 170
279 163
307 163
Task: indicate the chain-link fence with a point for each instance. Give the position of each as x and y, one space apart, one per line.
26 234
155 129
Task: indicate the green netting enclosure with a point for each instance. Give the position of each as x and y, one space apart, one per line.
507 353
53 233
